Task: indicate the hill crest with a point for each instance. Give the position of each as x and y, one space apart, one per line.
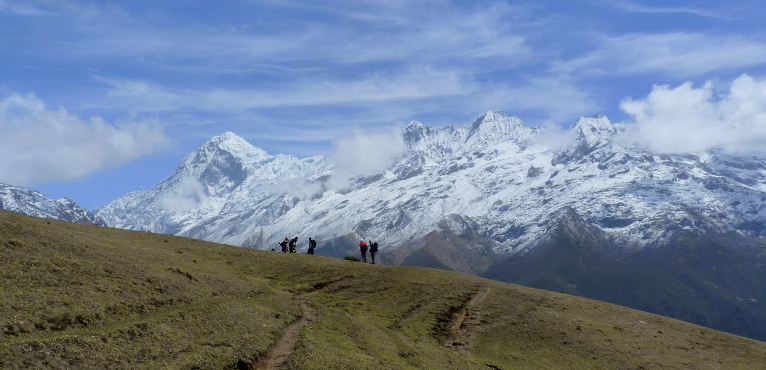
93 297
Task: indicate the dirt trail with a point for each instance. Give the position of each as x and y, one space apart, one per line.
461 329
281 351
284 347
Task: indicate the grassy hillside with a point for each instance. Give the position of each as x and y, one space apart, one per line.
76 296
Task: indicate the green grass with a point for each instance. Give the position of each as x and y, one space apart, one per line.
88 297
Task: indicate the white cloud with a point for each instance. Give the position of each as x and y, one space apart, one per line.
687 119
555 137
298 187
365 153
188 195
40 145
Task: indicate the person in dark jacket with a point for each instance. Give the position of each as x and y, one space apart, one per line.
292 243
363 250
283 244
312 245
373 250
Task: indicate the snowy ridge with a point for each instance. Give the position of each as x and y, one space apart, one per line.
33 203
495 174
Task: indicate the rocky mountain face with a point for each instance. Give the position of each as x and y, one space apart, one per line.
33 203
587 212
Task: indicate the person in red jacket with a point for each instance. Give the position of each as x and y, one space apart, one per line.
363 249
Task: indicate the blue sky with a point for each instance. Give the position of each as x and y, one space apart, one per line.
98 98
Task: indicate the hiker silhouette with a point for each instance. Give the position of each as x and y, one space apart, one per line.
363 250
312 245
373 250
284 244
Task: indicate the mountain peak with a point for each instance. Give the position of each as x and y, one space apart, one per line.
223 159
227 136
414 132
235 145
597 124
496 126
414 125
493 116
594 129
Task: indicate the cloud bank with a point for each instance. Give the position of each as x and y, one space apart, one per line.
687 119
40 145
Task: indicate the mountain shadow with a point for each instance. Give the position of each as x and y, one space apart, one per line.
718 281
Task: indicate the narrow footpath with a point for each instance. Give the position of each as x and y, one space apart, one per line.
281 351
462 329
285 346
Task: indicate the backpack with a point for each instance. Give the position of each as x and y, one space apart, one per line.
374 247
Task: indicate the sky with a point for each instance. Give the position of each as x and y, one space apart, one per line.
99 98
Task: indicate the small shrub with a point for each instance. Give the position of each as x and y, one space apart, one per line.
351 258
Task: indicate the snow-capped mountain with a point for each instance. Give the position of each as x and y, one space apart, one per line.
33 203
498 173
585 212
227 191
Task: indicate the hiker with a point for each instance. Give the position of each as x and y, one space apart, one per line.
292 244
369 246
363 249
312 245
373 250
283 244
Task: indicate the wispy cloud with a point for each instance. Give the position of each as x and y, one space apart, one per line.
375 99
418 37
407 52
632 7
21 9
415 83
677 54
323 67
49 8
557 97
